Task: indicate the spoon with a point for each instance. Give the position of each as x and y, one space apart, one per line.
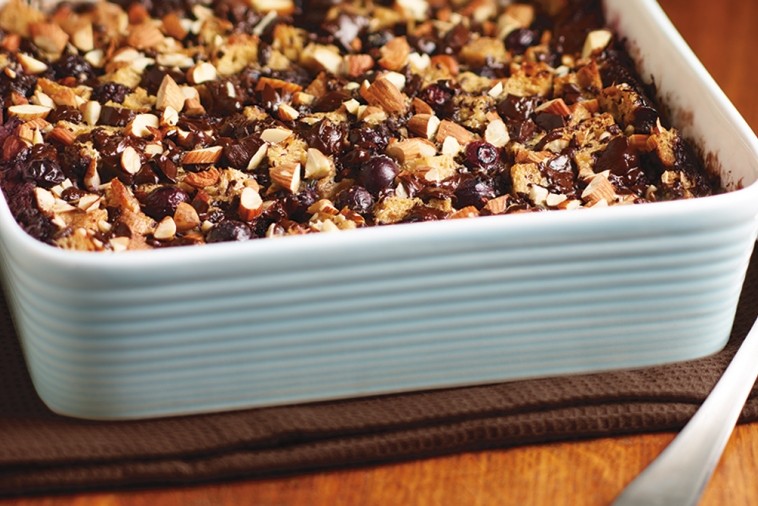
678 476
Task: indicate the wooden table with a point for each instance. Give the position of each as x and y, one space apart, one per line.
575 473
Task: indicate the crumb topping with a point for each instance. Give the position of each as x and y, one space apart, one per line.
143 124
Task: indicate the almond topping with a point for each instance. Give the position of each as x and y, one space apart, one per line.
144 36
29 111
84 38
421 107
556 106
275 135
466 212
130 160
49 37
166 229
141 125
596 41
317 165
497 133
287 113
286 175
424 125
251 204
170 95
599 189
202 156
258 157
62 135
451 129
498 205
277 84
172 25
382 93
91 112
202 73
31 65
186 217
357 64
394 54
411 149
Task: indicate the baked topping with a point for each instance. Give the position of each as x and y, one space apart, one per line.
133 125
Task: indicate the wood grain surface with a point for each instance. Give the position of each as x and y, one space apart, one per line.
723 35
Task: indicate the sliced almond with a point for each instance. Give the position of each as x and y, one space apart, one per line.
166 229
144 36
172 25
287 176
170 95
29 111
96 58
251 204
424 125
556 106
202 156
130 160
394 54
596 41
382 93
448 128
202 73
281 7
278 84
62 135
89 202
599 189
84 38
45 200
141 125
320 57
31 65
275 135
356 65
421 107
170 116
193 107
258 157
186 217
91 112
317 165
49 37
451 146
466 212
287 113
498 205
497 133
408 150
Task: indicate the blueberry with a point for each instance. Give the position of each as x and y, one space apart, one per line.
356 199
473 191
163 201
229 231
378 173
481 155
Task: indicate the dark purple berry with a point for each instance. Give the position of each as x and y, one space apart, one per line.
115 92
229 231
356 199
327 137
163 201
378 173
296 205
373 138
73 65
473 191
520 39
481 155
439 96
42 167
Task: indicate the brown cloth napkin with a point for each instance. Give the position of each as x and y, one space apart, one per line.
42 452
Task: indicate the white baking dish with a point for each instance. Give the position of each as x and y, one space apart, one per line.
405 307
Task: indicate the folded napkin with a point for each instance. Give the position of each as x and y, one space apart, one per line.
42 452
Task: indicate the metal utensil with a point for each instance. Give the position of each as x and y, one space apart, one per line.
679 475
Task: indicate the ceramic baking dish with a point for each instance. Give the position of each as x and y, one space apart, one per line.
405 307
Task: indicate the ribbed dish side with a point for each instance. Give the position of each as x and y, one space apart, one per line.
576 309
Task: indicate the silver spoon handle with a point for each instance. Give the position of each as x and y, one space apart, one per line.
680 473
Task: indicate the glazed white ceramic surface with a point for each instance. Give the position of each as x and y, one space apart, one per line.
404 307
